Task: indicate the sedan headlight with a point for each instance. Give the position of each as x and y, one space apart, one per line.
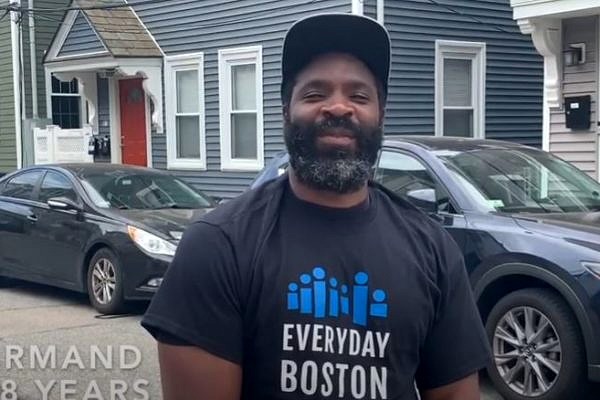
151 243
592 267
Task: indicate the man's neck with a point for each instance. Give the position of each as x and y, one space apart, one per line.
327 198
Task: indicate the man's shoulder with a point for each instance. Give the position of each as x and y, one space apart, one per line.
248 206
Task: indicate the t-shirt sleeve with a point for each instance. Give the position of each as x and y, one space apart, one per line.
198 300
456 345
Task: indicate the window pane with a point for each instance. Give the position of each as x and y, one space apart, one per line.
55 85
243 87
64 87
458 123
188 137
243 136
457 83
65 112
407 176
22 185
187 91
56 185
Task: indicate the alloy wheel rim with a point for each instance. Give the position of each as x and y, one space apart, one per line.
103 281
527 351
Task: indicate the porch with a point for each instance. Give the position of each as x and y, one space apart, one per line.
103 70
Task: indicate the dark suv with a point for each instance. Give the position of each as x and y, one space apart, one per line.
529 227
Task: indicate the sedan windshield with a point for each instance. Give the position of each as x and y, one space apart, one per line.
523 180
142 191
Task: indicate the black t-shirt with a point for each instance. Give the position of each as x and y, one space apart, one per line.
316 303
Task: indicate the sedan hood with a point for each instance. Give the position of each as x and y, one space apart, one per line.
574 227
170 222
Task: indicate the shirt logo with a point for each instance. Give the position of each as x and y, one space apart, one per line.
322 298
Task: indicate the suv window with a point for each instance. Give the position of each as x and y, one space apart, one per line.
22 185
408 177
56 185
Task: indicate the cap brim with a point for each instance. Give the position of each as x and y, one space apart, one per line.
360 36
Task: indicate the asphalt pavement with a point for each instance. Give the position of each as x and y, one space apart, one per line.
54 345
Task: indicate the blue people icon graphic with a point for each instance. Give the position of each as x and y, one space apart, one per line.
322 297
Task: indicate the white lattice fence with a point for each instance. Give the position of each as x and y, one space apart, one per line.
55 145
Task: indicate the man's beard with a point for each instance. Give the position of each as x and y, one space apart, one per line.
334 169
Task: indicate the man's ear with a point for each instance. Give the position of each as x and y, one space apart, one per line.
381 116
286 112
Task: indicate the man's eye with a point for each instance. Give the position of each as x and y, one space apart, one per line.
313 95
360 97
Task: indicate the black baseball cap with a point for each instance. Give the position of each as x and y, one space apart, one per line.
360 36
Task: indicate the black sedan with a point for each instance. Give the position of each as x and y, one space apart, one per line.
105 229
529 227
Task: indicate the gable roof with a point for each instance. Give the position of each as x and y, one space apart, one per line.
91 31
82 38
121 30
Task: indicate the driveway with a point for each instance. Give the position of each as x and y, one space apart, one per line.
59 346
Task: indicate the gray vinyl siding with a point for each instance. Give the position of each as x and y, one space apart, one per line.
514 68
207 26
8 155
103 107
578 147
82 39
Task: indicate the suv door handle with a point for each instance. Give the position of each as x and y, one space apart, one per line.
32 217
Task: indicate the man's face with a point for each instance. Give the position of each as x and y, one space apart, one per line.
333 124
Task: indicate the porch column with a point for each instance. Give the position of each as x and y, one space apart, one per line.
546 34
547 38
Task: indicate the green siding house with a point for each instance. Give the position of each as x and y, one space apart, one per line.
18 112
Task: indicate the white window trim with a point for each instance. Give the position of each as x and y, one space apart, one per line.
173 64
464 51
227 58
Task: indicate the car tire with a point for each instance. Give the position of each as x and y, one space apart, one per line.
538 355
105 283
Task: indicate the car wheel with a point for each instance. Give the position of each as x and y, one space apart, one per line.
105 283
538 351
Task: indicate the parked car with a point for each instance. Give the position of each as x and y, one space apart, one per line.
105 229
528 224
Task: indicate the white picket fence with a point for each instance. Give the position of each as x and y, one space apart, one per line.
55 145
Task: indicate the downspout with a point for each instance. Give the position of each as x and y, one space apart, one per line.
16 64
33 62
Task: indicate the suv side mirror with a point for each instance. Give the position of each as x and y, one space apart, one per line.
425 199
63 203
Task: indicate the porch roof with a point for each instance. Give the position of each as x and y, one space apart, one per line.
121 30
117 31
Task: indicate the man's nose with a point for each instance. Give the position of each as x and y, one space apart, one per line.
337 107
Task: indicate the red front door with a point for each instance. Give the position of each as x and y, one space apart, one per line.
132 100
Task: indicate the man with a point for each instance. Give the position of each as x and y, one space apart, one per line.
321 284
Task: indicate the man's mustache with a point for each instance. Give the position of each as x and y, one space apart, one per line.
334 123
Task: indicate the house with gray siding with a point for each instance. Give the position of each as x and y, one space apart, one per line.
566 34
193 86
22 99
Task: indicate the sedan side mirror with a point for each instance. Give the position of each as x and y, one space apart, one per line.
63 203
425 199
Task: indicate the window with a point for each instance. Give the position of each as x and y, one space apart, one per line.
186 143
240 104
460 69
56 185
22 185
66 104
408 177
